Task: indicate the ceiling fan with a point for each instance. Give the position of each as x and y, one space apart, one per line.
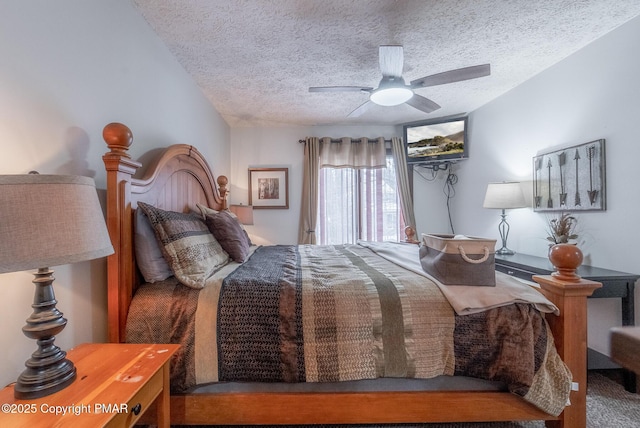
392 90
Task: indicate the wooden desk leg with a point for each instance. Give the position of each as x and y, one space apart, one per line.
628 309
163 415
628 318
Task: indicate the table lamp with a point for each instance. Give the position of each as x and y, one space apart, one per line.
48 220
243 212
504 195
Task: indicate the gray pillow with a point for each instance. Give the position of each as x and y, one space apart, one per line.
149 258
205 210
229 233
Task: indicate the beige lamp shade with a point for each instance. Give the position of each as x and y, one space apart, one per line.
243 212
50 220
504 195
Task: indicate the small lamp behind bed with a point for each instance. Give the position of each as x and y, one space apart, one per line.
48 220
504 195
243 212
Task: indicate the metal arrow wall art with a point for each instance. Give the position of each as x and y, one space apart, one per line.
576 158
537 196
593 193
562 159
549 198
575 170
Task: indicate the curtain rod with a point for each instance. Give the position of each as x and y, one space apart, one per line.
339 140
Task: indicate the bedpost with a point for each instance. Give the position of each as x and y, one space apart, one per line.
120 270
569 293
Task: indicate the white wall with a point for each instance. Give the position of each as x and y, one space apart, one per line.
68 68
279 147
590 95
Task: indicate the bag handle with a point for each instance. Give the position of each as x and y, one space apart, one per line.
469 260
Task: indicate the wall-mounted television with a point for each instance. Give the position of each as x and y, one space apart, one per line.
437 140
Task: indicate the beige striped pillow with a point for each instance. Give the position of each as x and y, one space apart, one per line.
189 247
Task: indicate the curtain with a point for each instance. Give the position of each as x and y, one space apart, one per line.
359 204
402 178
353 153
347 159
339 207
358 153
309 209
371 197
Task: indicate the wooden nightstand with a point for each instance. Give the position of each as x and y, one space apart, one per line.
115 385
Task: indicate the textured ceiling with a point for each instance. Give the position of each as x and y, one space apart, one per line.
255 59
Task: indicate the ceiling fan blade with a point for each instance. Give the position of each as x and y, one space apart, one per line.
422 103
362 108
451 76
391 60
340 89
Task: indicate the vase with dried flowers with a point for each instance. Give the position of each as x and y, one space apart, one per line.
562 229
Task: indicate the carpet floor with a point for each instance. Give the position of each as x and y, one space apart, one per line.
608 406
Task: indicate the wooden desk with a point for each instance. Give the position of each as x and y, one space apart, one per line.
115 385
614 285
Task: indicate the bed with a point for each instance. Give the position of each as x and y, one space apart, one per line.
179 179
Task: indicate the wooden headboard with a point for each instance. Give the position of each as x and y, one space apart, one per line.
176 180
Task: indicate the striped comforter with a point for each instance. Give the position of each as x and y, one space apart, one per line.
336 313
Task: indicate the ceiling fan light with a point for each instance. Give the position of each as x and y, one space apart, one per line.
391 96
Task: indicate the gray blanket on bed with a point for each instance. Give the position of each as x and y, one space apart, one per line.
334 313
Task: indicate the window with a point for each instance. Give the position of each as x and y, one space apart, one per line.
359 204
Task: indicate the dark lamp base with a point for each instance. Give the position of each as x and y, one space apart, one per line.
36 382
48 370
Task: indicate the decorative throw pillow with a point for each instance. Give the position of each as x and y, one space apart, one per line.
190 249
228 231
205 210
149 258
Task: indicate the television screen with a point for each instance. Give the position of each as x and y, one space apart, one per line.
436 140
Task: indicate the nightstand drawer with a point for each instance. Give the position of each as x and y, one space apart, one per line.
140 402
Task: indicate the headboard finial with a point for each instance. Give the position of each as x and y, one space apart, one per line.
222 189
118 137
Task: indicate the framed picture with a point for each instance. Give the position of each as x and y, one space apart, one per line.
269 187
570 179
